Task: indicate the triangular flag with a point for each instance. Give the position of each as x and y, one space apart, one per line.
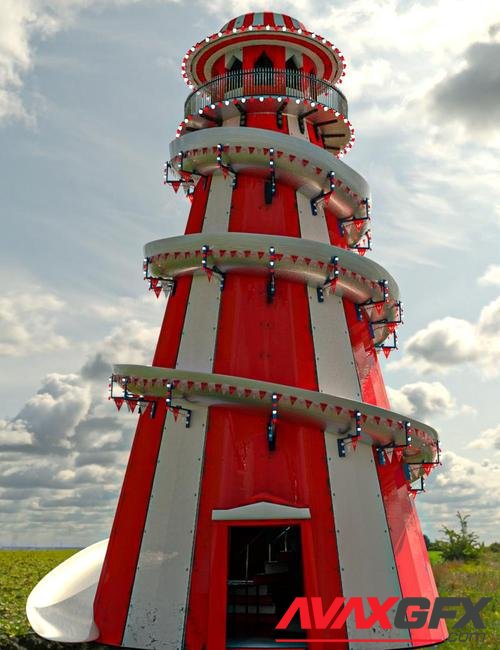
157 291
175 412
389 452
354 442
176 185
294 258
251 149
262 394
238 148
291 157
323 406
308 403
293 399
209 273
399 454
362 251
247 392
386 351
338 410
131 405
118 402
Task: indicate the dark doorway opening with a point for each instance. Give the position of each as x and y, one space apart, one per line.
265 575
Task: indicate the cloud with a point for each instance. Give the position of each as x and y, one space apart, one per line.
465 485
452 342
491 277
27 323
422 399
130 342
472 95
64 453
488 439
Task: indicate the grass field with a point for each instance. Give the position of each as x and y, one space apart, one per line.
20 570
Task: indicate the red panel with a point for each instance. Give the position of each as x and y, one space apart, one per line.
240 469
261 340
311 132
337 238
198 207
412 561
173 321
249 213
266 121
365 357
275 52
118 572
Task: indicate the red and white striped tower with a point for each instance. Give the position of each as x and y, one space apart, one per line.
265 464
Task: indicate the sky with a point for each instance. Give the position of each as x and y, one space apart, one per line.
91 95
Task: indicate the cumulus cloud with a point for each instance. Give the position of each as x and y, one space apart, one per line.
472 95
27 323
466 485
422 399
131 342
489 439
491 277
67 448
452 342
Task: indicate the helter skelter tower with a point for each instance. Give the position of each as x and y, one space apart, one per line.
266 464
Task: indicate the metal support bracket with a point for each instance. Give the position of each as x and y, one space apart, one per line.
271 426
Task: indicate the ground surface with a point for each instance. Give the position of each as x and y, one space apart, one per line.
20 570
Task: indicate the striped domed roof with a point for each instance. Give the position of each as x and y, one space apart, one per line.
261 19
262 27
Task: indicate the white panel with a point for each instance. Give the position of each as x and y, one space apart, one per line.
196 350
312 226
158 605
261 510
232 121
218 203
335 366
294 129
366 558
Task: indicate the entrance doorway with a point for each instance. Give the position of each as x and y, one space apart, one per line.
264 576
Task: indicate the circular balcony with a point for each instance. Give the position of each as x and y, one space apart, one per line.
264 82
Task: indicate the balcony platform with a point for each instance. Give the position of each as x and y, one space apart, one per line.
299 260
334 414
303 165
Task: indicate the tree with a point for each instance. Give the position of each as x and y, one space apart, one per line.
460 545
428 543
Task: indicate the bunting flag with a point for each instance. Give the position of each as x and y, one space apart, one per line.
131 404
118 402
398 453
338 410
176 185
157 291
389 453
386 351
354 442
175 412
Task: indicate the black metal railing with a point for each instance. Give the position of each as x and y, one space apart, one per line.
265 82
